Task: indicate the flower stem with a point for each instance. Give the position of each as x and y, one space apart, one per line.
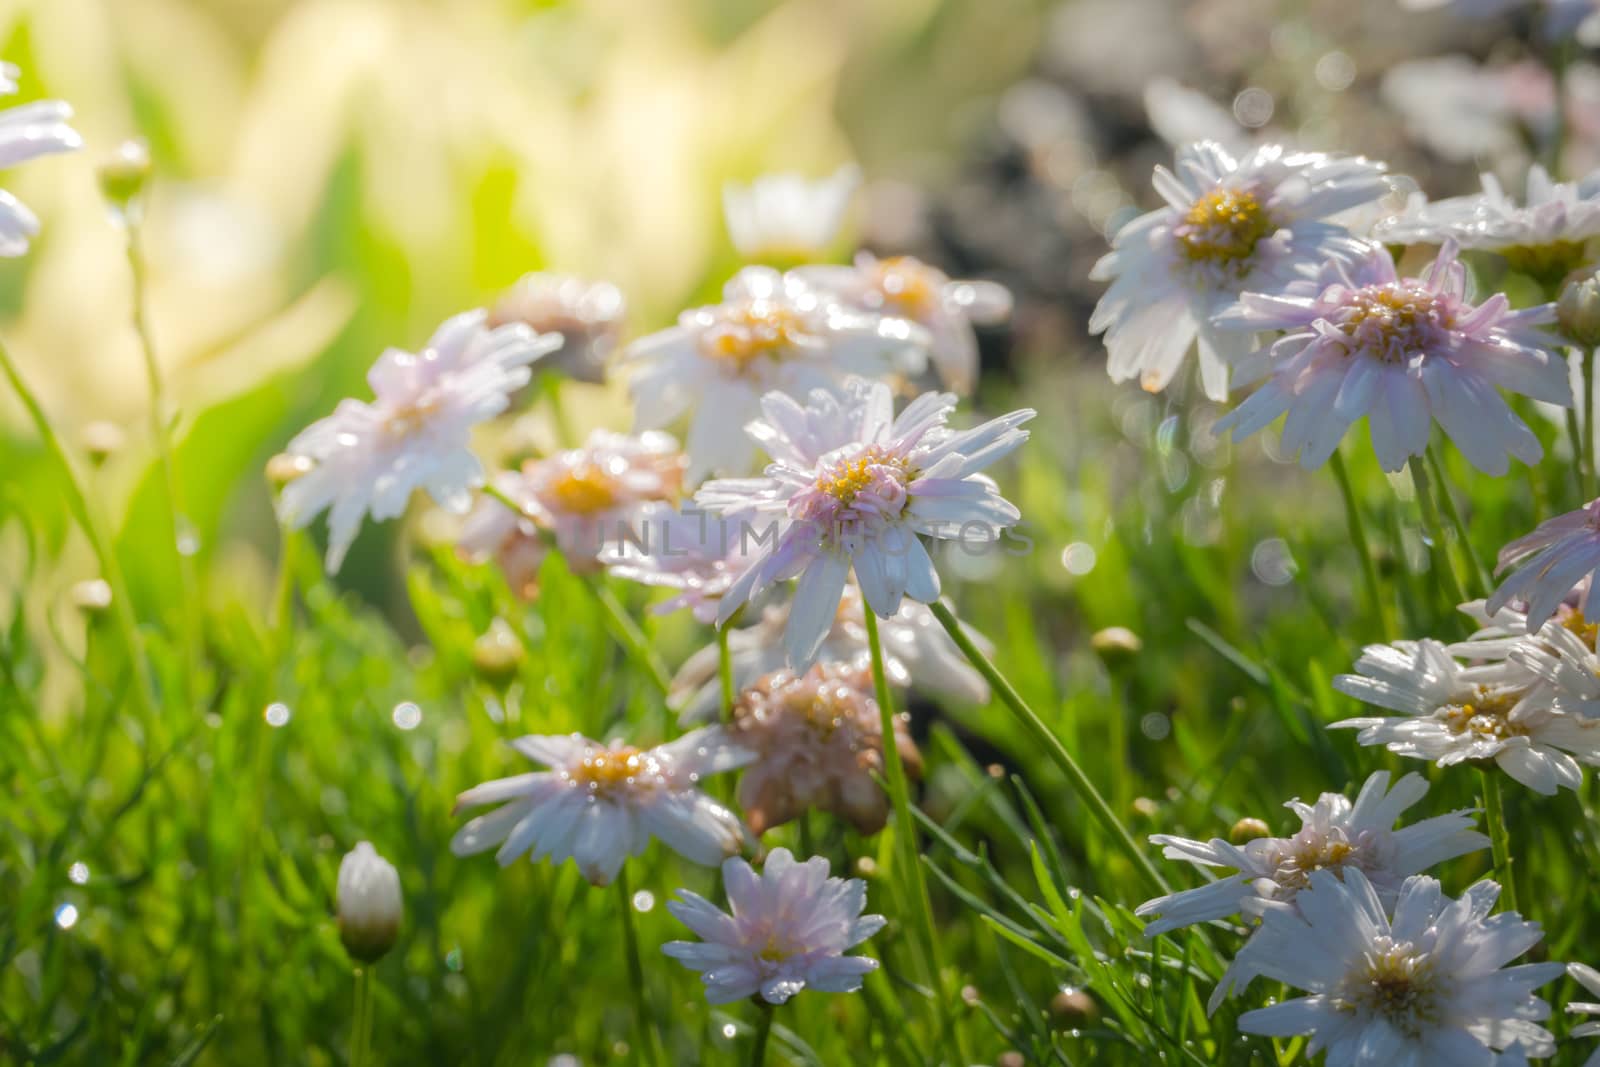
1588 471
360 1011
1358 537
99 542
641 1001
1058 752
725 673
1494 818
161 433
913 885
758 1051
1480 574
1445 571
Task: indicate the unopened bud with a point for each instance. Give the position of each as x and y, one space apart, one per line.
1012 1058
497 654
1074 1007
866 867
124 176
1578 310
1145 808
1248 829
102 440
92 596
285 467
1116 644
369 903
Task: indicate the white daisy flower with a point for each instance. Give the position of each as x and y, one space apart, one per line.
414 434
1544 236
1589 978
771 332
1552 561
692 552
1362 342
27 131
1562 655
1425 982
588 315
907 288
788 218
1334 835
1255 223
1451 714
857 489
600 804
917 652
786 929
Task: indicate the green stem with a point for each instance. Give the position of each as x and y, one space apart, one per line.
914 886
1480 573
1358 538
99 542
1588 472
1575 435
1445 571
758 1051
1494 818
360 1048
1057 751
725 673
161 434
648 1038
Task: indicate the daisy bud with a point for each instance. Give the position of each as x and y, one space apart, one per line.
285 467
1248 829
92 596
101 440
1145 808
1578 310
1116 645
1074 1007
123 177
497 654
369 903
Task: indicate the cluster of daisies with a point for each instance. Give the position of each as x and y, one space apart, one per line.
1279 270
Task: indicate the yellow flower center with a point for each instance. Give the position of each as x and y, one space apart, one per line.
1586 631
1488 717
409 419
608 768
845 481
774 952
584 490
1395 982
1224 226
909 287
1389 322
753 330
1314 852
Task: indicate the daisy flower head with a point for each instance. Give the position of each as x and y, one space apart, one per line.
588 316
1545 236
1361 341
786 929
692 552
1335 835
1422 982
771 332
1549 563
1562 656
907 288
27 131
581 500
599 804
1452 714
787 217
414 434
1255 223
855 488
1589 978
916 652
818 739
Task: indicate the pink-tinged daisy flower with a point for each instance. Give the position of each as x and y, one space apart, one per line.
1544 237
27 132
414 434
788 218
917 652
818 740
786 929
588 316
907 288
1452 714
1334 835
771 332
692 552
599 804
582 500
1550 563
1423 981
1229 226
1401 352
856 489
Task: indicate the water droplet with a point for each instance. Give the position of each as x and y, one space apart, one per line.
67 916
1272 562
644 900
1078 558
1253 108
729 1030
188 539
452 959
407 715
1155 726
78 873
276 714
